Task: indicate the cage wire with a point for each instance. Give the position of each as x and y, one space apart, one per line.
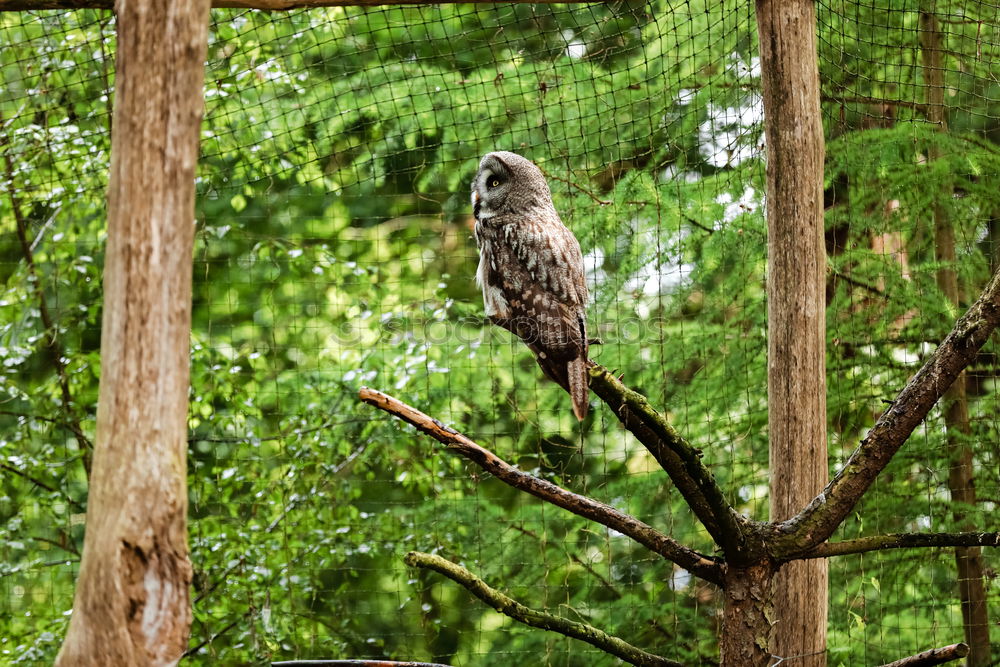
334 250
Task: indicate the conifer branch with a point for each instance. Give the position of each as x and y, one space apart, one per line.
537 619
697 564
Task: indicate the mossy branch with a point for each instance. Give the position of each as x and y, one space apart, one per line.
532 617
678 458
692 561
903 541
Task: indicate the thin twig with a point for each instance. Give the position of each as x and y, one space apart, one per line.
857 283
53 345
279 436
327 476
224 578
68 546
579 561
537 619
602 202
212 638
40 484
877 101
697 564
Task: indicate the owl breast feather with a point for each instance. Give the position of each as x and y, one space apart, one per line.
493 298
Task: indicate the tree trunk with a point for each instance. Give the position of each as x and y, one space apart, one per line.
747 616
132 603
969 561
796 309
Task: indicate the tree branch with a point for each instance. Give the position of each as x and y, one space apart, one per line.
935 656
903 541
678 458
692 561
532 617
825 512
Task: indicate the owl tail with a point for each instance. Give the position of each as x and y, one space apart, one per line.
577 376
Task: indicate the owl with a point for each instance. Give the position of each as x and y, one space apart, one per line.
531 269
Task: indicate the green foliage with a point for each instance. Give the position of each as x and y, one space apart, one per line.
334 250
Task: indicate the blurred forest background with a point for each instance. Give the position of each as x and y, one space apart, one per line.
334 250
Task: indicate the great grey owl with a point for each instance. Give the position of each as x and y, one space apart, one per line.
531 269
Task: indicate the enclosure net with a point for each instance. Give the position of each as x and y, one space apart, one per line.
334 250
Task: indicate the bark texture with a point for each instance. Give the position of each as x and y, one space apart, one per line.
747 616
796 373
132 602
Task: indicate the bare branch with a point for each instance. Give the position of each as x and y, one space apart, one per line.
935 656
677 457
821 517
692 561
903 541
532 617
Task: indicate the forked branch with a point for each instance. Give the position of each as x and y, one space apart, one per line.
820 518
692 561
536 619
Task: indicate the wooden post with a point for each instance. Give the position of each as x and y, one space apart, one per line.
796 373
132 603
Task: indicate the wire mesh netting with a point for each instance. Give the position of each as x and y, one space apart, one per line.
334 250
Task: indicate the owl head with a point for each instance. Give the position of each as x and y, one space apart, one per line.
508 183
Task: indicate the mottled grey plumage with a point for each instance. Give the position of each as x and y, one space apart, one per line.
531 269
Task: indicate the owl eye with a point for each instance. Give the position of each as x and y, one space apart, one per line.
495 182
